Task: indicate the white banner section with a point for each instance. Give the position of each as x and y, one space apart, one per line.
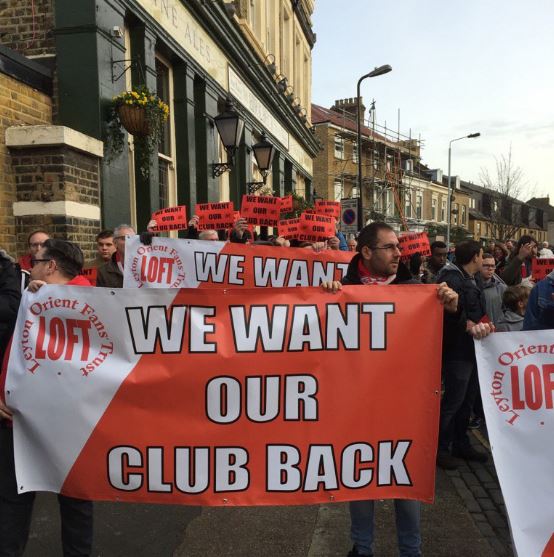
516 374
178 263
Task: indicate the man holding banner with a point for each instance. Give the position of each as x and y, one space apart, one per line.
57 262
378 263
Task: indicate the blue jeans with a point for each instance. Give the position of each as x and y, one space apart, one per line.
407 526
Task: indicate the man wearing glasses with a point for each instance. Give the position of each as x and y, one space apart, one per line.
493 288
378 263
35 241
56 262
110 274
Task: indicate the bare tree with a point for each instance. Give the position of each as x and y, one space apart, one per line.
502 202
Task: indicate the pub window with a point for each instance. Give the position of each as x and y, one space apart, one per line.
166 147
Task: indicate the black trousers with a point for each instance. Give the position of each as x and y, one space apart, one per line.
461 386
16 510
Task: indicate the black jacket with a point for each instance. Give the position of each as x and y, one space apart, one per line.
458 344
10 296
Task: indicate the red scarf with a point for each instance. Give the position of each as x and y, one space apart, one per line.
367 278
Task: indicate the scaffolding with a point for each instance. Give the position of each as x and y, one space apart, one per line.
390 162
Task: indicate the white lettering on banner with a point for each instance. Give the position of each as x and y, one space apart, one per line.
128 469
286 472
306 330
189 468
164 330
224 398
211 267
177 263
516 375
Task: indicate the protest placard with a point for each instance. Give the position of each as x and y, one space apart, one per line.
414 242
329 208
289 228
227 397
215 216
170 218
316 228
286 204
540 267
261 210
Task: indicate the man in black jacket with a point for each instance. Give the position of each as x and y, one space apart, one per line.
10 295
378 263
461 384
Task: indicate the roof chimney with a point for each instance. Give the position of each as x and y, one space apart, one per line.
350 108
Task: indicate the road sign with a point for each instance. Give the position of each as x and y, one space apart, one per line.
350 215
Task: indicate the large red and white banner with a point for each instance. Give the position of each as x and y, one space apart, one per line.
227 397
516 373
177 263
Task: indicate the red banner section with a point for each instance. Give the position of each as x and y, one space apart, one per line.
175 263
329 208
215 216
170 218
286 204
414 242
261 210
541 267
235 397
316 228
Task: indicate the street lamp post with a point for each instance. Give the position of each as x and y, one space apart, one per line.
377 71
449 201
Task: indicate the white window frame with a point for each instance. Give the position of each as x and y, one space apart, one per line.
339 147
170 159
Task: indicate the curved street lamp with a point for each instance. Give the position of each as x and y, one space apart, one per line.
449 201
376 72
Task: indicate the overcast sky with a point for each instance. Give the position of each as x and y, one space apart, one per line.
459 66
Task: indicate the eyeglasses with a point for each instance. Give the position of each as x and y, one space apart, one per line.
35 261
36 244
389 247
125 236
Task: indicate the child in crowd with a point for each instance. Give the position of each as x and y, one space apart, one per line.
515 301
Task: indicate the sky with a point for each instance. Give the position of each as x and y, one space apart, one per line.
459 66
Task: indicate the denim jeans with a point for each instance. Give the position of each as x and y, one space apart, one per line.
16 510
407 526
461 386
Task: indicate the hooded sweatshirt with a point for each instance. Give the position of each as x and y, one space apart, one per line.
510 321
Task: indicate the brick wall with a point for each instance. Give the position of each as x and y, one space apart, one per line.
27 26
19 105
80 231
56 173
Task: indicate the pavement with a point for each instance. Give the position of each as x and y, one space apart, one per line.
468 517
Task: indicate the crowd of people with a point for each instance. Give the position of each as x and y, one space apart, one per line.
481 291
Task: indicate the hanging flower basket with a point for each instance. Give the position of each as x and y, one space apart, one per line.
133 119
142 114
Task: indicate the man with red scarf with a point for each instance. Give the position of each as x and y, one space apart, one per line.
377 263
110 274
